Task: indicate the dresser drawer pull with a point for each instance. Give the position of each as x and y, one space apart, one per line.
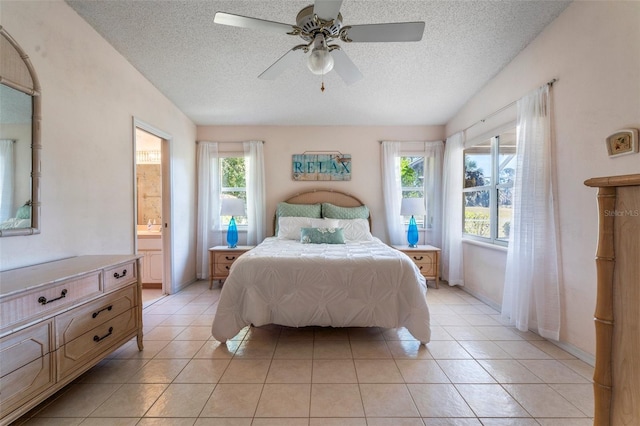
96 338
43 300
108 308
117 275
230 258
420 268
418 258
226 267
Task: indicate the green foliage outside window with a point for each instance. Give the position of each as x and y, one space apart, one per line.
233 183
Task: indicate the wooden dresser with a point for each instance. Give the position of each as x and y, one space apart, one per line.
617 316
59 319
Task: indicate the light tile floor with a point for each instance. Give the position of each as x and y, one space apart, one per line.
475 371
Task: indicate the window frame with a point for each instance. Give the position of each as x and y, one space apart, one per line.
222 190
421 221
494 187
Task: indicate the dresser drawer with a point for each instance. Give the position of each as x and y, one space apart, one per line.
120 276
21 348
48 299
425 261
78 321
223 262
26 382
81 350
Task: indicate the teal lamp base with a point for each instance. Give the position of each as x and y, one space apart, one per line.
412 233
232 234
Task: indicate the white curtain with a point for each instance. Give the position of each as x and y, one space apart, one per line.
451 254
532 277
433 152
7 209
256 202
392 192
208 230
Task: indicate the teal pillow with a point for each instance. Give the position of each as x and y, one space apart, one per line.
321 236
299 210
336 212
24 212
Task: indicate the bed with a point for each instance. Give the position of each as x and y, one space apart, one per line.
306 275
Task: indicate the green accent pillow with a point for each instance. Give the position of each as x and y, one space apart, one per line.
321 236
299 210
24 212
335 212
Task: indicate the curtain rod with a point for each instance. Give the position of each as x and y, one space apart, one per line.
549 83
197 142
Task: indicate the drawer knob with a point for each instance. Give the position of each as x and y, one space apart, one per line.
108 308
43 300
97 338
117 275
226 267
418 258
230 257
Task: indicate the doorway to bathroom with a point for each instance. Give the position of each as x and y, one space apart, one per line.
152 209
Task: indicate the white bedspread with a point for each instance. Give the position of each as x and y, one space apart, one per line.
358 284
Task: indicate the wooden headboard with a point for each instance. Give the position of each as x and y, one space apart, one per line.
315 196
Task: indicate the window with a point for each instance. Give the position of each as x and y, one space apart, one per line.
233 183
489 170
412 179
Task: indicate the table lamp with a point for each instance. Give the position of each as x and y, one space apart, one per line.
412 206
232 207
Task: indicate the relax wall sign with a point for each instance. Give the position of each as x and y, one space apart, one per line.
330 166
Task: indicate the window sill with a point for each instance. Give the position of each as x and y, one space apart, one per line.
485 245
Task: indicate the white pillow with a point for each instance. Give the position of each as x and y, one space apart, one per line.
289 227
355 229
324 223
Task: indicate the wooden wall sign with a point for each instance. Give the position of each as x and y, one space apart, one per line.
333 166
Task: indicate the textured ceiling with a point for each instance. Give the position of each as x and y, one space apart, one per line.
210 71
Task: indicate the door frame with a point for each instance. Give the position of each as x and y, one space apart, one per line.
167 245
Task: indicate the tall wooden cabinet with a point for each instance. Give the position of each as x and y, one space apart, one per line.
617 316
59 319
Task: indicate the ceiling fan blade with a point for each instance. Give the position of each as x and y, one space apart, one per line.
253 23
345 68
286 61
400 31
327 9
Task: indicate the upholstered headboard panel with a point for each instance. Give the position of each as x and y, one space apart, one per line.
325 196
315 196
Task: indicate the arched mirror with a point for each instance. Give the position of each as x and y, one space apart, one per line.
20 144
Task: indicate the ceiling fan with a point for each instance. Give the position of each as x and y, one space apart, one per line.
319 25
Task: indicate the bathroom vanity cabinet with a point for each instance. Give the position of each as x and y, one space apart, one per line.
150 247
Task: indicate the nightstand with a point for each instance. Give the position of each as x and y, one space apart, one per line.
220 260
427 258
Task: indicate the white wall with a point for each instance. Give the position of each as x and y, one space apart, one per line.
90 95
363 143
592 49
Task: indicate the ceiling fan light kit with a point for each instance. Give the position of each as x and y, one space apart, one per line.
320 60
318 25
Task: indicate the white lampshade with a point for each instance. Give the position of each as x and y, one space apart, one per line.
232 207
412 207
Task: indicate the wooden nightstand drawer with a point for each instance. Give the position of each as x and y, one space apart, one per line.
220 260
426 258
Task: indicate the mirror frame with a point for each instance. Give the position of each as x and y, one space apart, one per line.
36 144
